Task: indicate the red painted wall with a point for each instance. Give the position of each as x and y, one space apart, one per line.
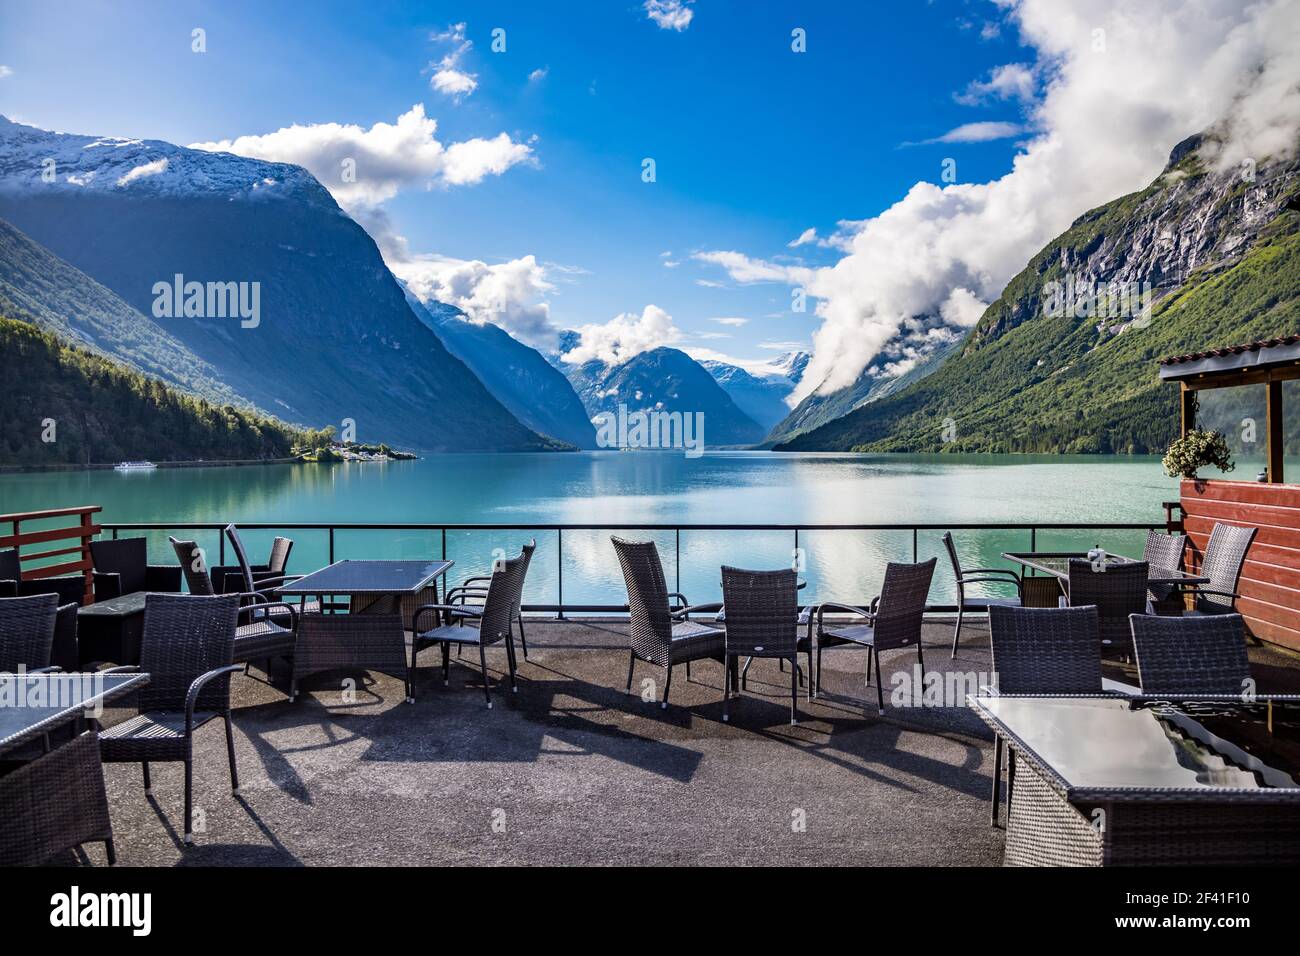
1270 580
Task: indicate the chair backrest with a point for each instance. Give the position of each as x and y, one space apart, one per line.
1225 553
650 621
10 566
501 602
1164 551
527 554
1045 650
186 635
127 557
195 569
762 611
27 631
951 548
901 610
1117 592
1191 655
278 563
241 556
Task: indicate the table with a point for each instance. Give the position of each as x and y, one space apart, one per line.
1056 566
57 800
111 630
371 638
1103 780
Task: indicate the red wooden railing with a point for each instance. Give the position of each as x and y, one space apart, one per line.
85 529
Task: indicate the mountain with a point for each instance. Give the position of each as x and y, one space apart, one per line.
517 375
893 369
38 286
75 406
316 328
666 380
1052 367
761 397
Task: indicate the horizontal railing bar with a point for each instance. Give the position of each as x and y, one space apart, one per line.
623 609
634 526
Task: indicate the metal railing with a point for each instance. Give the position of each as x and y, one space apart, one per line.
559 608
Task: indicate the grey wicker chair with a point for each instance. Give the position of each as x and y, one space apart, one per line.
1041 651
1191 655
266 630
978 604
469 595
27 632
230 577
762 621
1164 551
495 624
122 567
187 652
71 588
893 620
658 633
266 583
1116 593
1225 554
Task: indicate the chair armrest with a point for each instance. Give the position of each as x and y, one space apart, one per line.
121 669
979 580
1008 571
821 610
108 584
684 613
462 592
1231 594
192 696
470 581
52 669
163 577
429 607
261 610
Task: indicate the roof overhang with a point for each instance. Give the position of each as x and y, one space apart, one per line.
1227 364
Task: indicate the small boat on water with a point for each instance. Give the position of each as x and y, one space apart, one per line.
134 466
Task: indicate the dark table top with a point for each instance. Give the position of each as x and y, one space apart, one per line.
368 577
1057 564
1143 748
33 704
122 606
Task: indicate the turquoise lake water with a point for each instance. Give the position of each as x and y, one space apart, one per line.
627 488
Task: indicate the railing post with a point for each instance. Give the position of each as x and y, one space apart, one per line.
914 545
88 574
559 572
221 546
331 544
677 559
444 544
1033 546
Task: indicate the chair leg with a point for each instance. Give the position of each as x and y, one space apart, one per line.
956 631
189 792
482 660
794 688
514 664
523 639
668 683
446 663
726 684
868 680
148 786
818 683
880 694
110 852
631 663
920 657
997 779
230 755
688 671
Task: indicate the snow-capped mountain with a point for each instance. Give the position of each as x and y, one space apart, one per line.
760 391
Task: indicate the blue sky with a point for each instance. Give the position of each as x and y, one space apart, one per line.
753 143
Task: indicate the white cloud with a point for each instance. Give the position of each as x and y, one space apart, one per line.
745 270
538 74
669 14
385 158
805 237
5 71
1010 81
1104 124
144 170
624 336
448 78
734 321
978 133
990 30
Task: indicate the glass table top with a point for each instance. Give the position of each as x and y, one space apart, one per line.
368 577
32 704
1107 744
1057 564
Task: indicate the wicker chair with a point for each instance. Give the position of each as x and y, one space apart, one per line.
893 620
1225 554
762 621
230 577
187 653
979 604
659 634
500 606
474 590
71 588
27 632
1041 651
1117 592
266 629
1191 655
1164 551
122 567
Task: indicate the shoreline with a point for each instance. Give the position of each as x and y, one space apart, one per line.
158 465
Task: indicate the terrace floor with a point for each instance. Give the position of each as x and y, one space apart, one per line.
571 770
